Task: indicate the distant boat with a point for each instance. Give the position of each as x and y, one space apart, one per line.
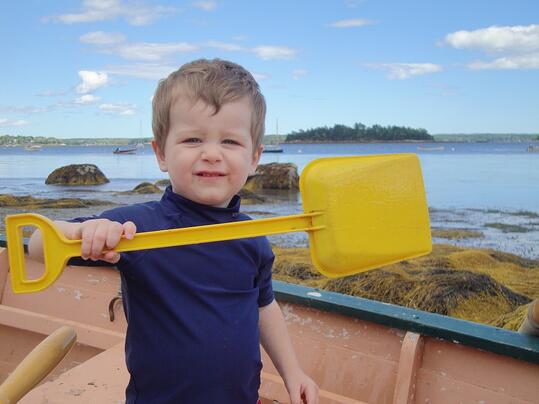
433 148
533 149
272 148
126 150
33 147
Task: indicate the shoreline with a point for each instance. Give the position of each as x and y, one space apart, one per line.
511 231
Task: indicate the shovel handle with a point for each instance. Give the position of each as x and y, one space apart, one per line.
57 249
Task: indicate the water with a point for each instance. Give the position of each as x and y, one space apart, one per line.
462 175
468 184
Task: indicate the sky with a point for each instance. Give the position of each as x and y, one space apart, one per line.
72 69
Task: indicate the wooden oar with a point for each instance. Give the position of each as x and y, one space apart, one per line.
37 365
361 212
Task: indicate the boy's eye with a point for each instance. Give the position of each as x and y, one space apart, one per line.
230 141
192 140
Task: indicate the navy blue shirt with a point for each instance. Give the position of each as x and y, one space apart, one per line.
192 311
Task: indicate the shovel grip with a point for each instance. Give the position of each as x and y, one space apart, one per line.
56 251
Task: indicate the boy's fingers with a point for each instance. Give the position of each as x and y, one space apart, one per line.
295 396
87 235
111 256
129 229
310 396
99 240
114 233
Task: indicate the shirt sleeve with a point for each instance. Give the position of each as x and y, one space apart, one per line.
265 288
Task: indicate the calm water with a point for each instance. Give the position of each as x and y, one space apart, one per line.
462 175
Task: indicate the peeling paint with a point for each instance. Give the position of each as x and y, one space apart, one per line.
314 294
77 294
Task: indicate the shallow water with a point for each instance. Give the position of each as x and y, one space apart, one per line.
468 185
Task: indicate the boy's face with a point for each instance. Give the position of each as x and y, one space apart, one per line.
208 157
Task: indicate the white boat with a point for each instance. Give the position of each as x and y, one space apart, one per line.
33 147
430 148
533 149
272 148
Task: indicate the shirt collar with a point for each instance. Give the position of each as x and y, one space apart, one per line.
179 202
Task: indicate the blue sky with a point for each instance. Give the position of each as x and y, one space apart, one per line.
89 68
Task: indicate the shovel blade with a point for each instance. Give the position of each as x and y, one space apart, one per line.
375 212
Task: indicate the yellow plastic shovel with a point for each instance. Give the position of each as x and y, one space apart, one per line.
361 212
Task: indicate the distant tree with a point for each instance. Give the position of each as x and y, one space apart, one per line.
359 133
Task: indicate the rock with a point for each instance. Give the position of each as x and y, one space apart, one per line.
250 198
162 183
274 176
29 202
77 174
143 188
146 188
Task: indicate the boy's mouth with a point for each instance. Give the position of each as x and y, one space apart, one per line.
209 174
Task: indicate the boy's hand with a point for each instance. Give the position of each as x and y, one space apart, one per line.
99 237
302 389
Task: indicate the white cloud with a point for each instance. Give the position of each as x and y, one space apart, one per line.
260 76
148 71
102 38
26 109
118 109
517 47
152 52
402 71
356 22
224 46
86 99
530 61
515 39
207 5
7 122
136 13
267 52
296 74
91 81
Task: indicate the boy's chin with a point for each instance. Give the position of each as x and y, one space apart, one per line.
214 202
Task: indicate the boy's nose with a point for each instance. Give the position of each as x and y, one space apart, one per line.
211 152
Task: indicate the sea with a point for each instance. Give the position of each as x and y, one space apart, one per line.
490 187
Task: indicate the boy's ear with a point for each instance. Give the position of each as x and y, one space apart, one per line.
160 157
256 159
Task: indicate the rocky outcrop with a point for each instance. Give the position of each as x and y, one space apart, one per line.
162 183
29 202
77 174
146 188
250 198
274 176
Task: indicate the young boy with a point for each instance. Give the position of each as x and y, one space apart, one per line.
196 314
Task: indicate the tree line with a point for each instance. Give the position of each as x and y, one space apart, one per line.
359 133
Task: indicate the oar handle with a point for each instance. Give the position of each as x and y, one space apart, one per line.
37 364
57 249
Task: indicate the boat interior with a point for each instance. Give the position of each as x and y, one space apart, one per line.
357 350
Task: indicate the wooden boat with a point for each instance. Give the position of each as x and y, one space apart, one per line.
357 350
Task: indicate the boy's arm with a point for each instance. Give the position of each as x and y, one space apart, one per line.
276 341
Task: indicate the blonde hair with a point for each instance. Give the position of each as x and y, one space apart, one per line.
214 82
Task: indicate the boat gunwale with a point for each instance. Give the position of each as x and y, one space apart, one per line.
476 335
